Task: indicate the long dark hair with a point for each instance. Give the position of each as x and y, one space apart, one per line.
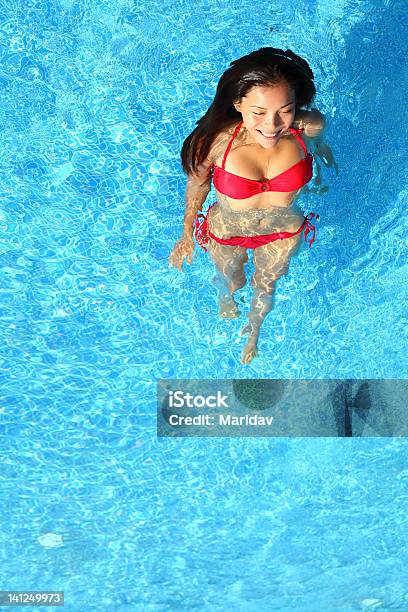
267 66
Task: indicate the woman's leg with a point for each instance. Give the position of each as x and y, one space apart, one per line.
229 262
271 261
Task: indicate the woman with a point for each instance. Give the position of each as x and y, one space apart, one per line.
251 131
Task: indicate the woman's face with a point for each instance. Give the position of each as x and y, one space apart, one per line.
268 110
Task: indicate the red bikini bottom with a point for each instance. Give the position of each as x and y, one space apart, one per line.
201 233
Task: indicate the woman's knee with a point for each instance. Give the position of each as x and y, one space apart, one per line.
265 285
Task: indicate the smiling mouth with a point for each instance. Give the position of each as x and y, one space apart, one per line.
271 136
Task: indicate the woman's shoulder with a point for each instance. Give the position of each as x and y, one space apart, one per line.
215 153
220 142
312 122
226 132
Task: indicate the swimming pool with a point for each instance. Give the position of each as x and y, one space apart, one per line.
96 101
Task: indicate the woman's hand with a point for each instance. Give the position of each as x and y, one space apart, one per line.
182 249
326 155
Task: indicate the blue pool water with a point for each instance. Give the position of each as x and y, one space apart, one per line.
96 100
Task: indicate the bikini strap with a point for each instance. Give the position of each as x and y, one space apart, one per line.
227 150
297 133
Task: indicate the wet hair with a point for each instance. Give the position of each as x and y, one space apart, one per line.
267 66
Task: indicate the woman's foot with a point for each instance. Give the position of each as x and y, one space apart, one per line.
228 307
250 350
238 285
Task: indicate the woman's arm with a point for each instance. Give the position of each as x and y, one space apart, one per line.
197 189
314 124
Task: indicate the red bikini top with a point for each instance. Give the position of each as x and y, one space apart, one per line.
239 187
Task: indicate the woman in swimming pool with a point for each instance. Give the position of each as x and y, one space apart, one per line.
251 131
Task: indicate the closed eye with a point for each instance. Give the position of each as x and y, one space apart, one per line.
284 112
